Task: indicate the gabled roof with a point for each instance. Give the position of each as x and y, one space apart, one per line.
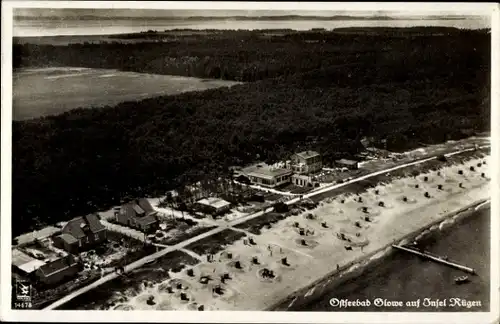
145 205
146 220
307 154
68 238
138 209
141 210
57 265
80 227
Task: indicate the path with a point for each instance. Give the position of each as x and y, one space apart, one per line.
235 222
193 254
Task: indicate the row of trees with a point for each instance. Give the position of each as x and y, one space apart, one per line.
86 159
245 56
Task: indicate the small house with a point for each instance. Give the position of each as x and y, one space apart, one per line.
213 206
345 163
138 214
58 270
81 233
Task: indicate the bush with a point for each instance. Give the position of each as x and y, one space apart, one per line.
281 207
442 158
243 179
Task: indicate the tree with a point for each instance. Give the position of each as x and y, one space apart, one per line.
170 201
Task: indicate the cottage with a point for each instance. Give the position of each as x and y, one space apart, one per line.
81 233
138 214
213 206
345 163
305 162
267 176
58 270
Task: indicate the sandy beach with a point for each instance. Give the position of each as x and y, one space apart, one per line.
312 243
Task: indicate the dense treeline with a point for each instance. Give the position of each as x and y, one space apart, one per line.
408 91
241 55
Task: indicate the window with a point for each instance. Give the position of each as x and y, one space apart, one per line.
80 243
96 236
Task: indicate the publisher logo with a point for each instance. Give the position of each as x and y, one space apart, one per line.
23 291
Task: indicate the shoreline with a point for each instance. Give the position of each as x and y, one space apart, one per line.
354 26
356 268
392 228
247 291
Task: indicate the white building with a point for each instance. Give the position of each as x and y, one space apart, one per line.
268 175
305 162
213 205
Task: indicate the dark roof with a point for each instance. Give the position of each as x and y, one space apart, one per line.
146 220
80 227
145 205
68 238
57 265
140 210
128 210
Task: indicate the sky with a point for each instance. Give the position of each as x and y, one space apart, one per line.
71 12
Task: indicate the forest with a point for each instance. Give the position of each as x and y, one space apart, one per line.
303 95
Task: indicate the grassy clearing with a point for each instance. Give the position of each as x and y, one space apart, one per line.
256 224
215 243
62 89
185 233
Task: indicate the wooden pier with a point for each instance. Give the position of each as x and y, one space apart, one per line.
435 258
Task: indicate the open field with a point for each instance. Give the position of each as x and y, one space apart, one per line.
215 243
351 232
51 91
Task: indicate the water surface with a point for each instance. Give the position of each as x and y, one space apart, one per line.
405 277
46 27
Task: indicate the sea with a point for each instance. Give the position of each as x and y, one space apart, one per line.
47 27
406 278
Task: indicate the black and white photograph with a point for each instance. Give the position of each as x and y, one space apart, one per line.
316 162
